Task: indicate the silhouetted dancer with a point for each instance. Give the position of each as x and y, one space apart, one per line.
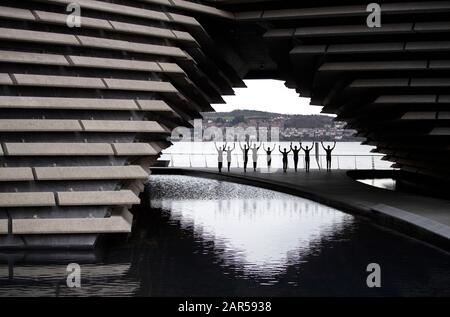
329 150
269 155
307 155
285 158
295 150
245 150
255 155
220 156
229 150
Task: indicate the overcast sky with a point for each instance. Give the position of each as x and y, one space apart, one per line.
267 95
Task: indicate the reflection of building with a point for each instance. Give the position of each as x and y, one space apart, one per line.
45 274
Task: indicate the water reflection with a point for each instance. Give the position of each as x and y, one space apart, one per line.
201 237
384 183
260 232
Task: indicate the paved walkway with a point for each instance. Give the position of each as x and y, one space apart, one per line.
423 217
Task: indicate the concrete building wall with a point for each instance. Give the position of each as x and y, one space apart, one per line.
85 111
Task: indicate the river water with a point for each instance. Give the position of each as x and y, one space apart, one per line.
346 155
200 237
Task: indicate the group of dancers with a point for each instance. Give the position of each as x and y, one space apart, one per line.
269 150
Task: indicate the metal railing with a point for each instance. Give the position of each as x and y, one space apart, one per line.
339 161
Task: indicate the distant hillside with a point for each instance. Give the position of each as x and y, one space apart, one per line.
253 114
292 127
290 121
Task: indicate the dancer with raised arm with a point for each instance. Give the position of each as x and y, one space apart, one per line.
255 150
285 158
269 155
329 151
229 150
245 150
295 150
307 155
220 156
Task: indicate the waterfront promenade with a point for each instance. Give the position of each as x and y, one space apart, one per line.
424 218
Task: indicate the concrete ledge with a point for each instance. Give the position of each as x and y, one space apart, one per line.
142 29
122 126
10 174
140 85
97 198
131 46
419 221
87 62
352 30
93 42
117 223
38 37
19 125
341 11
27 199
201 8
4 226
58 149
114 63
373 66
15 13
118 9
89 173
376 83
134 149
58 18
154 105
59 81
33 58
443 131
406 99
66 103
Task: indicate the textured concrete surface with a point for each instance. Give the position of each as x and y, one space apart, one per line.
58 149
25 199
89 172
97 198
8 174
117 223
3 226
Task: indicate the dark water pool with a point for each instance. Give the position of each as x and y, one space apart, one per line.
199 237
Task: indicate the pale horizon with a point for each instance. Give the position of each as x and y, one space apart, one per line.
270 96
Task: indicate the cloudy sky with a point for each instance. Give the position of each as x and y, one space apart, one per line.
267 95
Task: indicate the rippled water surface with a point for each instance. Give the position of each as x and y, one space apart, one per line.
200 237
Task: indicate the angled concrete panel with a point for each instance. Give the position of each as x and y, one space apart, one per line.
88 173
95 198
18 125
9 174
58 149
121 126
30 199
